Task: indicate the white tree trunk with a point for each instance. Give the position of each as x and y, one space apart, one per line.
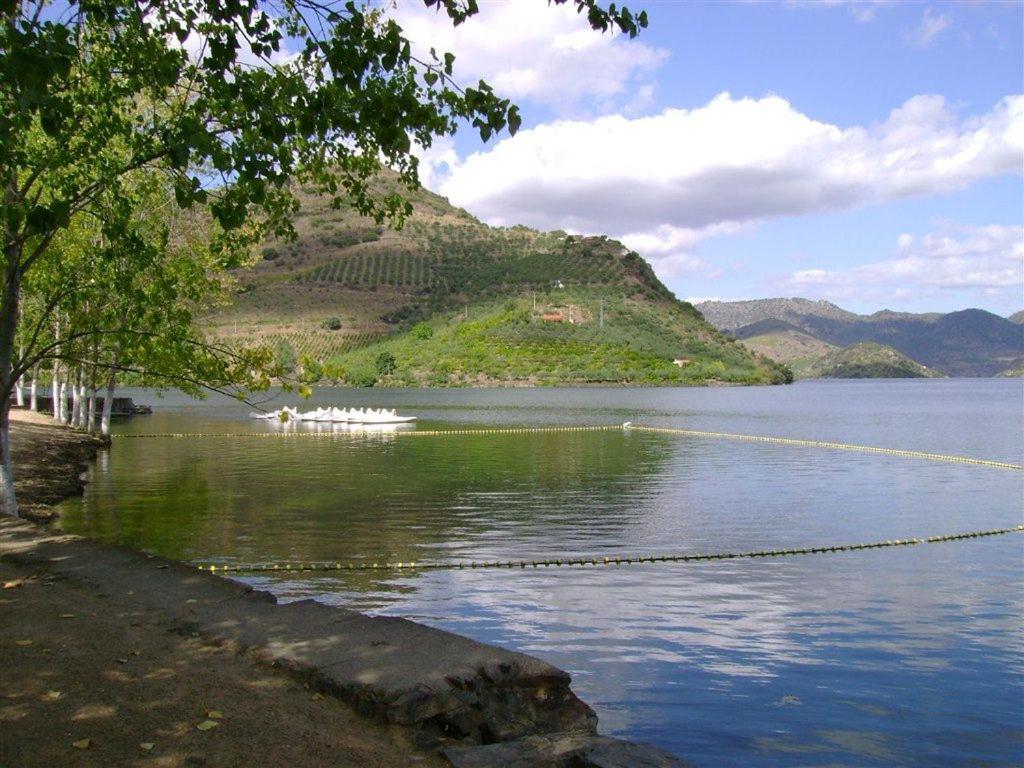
90 422
63 407
83 405
19 388
33 400
108 405
55 392
75 403
8 499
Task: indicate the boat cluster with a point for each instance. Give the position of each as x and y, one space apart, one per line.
337 415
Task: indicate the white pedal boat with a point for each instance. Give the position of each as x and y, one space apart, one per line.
337 416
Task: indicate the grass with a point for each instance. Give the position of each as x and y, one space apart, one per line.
507 342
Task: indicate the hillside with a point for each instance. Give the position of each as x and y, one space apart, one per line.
1017 317
456 302
971 342
867 360
785 343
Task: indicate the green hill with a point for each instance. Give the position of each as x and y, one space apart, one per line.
868 360
457 302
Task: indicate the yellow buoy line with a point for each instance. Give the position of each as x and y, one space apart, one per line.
832 446
591 561
397 433
828 445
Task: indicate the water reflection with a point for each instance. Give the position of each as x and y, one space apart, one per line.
909 656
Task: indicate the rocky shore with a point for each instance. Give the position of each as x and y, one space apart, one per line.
115 657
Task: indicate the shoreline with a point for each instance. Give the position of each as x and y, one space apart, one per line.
383 691
48 459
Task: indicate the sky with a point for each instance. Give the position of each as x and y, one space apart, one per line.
868 153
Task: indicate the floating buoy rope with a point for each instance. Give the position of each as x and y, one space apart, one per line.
591 561
603 560
627 427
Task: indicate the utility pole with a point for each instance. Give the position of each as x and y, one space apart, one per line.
600 322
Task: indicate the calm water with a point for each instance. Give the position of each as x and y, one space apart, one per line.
894 657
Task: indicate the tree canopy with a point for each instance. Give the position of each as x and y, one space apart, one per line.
219 105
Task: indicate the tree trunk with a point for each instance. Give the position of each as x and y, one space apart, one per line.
90 422
19 389
8 330
55 391
108 404
63 402
8 499
75 402
83 403
33 400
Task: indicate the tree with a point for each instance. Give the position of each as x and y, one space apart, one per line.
199 91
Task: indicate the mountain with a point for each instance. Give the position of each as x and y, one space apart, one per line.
1017 317
971 342
449 300
732 315
867 360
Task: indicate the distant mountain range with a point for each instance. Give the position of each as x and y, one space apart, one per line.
970 342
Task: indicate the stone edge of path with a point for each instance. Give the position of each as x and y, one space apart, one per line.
484 705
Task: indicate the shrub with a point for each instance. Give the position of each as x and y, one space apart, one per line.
331 324
362 377
386 363
422 331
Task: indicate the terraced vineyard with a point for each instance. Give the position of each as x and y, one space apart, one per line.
365 270
584 309
318 345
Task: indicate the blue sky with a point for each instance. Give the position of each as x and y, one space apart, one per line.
869 153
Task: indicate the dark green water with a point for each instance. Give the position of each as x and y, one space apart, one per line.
907 656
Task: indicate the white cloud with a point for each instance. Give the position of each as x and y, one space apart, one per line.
665 181
527 49
436 162
987 258
933 26
677 265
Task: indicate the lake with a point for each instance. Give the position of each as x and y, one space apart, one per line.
902 656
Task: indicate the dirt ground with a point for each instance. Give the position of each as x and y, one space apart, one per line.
48 461
88 680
